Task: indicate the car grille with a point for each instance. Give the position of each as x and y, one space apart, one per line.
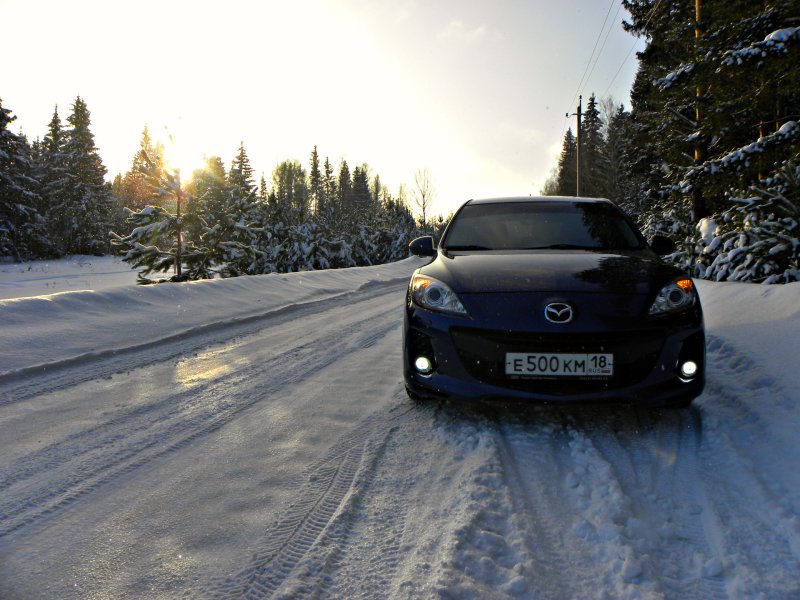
483 354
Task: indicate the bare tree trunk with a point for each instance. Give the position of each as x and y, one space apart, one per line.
423 192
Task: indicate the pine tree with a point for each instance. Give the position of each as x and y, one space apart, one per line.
290 188
206 197
157 241
566 182
50 168
263 192
361 195
82 215
21 226
241 173
758 238
344 208
617 157
707 89
315 183
136 193
326 208
594 163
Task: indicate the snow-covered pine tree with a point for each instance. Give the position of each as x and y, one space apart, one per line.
290 193
706 91
618 152
326 204
361 201
206 196
343 212
50 166
156 242
21 226
241 172
594 162
758 238
314 183
83 212
234 232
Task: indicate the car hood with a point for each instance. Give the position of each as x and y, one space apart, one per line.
630 272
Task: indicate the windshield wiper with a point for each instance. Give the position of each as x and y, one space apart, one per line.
467 247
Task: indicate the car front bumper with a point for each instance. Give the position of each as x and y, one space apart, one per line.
468 361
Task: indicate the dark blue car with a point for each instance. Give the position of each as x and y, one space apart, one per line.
554 300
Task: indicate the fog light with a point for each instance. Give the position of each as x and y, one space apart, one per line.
423 365
689 369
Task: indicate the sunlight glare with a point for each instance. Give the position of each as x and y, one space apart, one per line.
183 158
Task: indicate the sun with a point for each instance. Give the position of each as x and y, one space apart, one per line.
182 157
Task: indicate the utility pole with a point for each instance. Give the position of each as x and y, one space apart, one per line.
578 147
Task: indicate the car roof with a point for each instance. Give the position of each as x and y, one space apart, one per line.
538 199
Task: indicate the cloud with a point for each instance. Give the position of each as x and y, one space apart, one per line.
457 31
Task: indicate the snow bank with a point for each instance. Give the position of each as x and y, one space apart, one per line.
763 320
67 325
38 277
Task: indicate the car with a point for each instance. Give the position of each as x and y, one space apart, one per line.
551 300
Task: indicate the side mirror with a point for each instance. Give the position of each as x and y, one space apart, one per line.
422 246
662 245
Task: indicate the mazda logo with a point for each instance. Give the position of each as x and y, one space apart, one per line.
558 312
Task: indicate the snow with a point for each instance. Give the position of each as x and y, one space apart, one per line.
250 437
708 229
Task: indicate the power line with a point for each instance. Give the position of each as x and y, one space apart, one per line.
591 56
608 33
627 56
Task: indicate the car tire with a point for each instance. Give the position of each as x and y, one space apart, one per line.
415 397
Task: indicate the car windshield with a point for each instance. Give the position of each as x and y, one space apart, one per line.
541 225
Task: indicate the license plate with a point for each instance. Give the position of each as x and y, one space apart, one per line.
528 364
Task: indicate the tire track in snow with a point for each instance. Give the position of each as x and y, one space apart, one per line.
31 382
305 547
750 511
531 453
47 481
655 501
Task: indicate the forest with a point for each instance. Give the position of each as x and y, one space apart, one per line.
707 154
219 222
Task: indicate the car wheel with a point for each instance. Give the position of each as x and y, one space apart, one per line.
413 396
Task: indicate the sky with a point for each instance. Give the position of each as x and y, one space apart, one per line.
475 91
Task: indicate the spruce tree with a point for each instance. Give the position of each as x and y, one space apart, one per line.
594 163
706 89
83 214
290 190
344 186
566 182
241 173
326 206
136 192
617 156
21 226
361 203
314 183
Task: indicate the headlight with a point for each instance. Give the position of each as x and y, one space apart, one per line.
432 294
674 297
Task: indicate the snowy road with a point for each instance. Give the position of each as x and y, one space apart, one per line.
278 456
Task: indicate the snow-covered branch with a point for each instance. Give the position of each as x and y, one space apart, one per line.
776 42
